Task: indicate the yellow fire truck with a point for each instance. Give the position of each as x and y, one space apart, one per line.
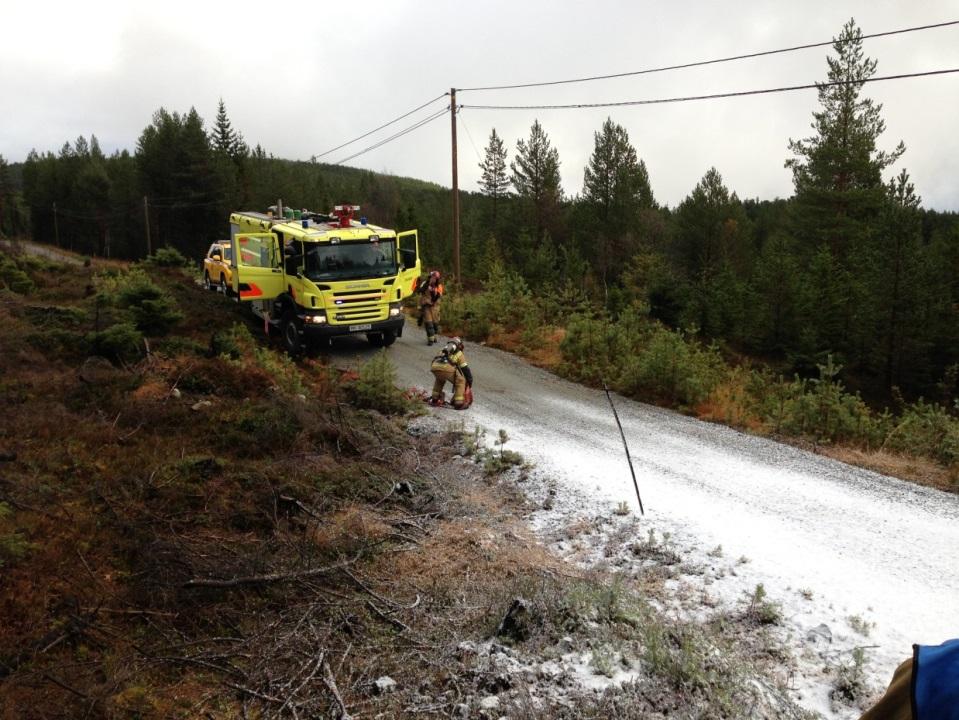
314 276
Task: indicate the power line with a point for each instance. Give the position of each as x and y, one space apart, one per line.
470 136
706 62
394 120
715 96
398 135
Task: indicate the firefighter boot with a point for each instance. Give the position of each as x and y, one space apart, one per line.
430 333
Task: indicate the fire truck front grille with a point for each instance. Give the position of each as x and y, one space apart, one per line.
353 307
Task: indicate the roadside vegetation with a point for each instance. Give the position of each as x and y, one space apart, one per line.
194 525
642 358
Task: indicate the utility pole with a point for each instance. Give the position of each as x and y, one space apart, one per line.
56 225
456 191
146 224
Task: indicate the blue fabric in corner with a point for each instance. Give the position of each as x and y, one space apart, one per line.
935 681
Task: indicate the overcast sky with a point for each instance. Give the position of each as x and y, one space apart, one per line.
300 78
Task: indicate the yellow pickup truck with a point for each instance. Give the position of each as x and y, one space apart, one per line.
218 267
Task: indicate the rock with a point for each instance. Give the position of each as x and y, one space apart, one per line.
200 405
301 397
465 649
516 623
175 393
462 711
819 634
384 685
549 670
566 644
497 683
490 702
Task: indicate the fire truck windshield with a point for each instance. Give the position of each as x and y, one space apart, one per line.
351 261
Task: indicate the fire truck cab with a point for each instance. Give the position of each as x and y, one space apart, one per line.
315 276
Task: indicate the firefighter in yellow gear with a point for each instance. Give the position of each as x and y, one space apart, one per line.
450 366
431 291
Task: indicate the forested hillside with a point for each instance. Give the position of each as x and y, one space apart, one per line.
851 269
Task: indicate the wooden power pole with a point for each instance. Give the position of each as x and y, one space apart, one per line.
456 191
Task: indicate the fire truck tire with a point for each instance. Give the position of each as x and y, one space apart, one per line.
292 331
381 339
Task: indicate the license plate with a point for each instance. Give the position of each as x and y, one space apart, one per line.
360 328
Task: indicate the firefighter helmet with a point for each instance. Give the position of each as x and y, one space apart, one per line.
457 342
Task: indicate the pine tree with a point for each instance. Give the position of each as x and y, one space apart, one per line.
615 190
837 171
897 286
494 183
536 178
616 182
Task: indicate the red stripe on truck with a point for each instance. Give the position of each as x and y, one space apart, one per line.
254 291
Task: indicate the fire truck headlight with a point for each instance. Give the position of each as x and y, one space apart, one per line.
394 309
316 319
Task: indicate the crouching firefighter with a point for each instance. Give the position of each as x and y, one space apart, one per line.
431 291
450 367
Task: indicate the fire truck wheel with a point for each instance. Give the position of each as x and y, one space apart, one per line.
381 339
292 334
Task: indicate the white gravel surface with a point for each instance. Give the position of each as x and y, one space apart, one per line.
828 541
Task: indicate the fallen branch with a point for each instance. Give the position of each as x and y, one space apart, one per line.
331 686
403 627
268 578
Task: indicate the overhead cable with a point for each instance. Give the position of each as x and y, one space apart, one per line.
398 135
706 62
714 96
384 125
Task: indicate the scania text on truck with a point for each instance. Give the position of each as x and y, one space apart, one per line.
315 276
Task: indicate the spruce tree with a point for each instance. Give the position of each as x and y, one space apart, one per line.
837 171
224 138
536 178
494 182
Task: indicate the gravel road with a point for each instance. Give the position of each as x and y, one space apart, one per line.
861 544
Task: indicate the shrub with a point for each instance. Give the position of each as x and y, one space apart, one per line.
376 387
257 429
13 545
153 311
927 429
673 369
13 277
121 343
167 256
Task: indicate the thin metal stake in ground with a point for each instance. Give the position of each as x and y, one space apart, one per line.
626 447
